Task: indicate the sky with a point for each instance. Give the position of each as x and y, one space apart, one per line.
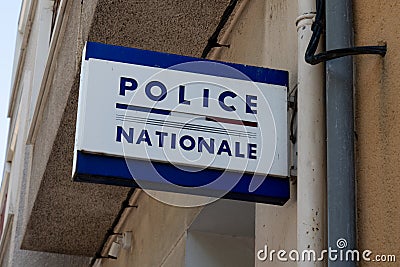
9 13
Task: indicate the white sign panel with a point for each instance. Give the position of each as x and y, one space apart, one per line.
184 114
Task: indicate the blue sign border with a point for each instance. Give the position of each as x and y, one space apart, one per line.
163 60
103 169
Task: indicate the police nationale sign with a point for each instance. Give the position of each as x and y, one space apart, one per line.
182 124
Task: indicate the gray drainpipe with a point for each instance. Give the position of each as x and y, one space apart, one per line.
340 129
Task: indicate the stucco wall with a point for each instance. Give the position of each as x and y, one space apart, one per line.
159 234
377 94
265 35
257 38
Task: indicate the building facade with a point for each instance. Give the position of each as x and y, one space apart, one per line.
50 220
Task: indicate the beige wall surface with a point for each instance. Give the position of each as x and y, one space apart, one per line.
377 94
265 35
256 37
159 234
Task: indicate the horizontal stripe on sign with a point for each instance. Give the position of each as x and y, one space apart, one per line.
186 126
168 112
230 121
143 109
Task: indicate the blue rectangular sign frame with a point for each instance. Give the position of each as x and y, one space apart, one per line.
112 170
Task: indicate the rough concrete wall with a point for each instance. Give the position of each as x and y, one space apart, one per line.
378 128
173 26
159 234
65 75
70 217
73 210
21 172
63 209
33 258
